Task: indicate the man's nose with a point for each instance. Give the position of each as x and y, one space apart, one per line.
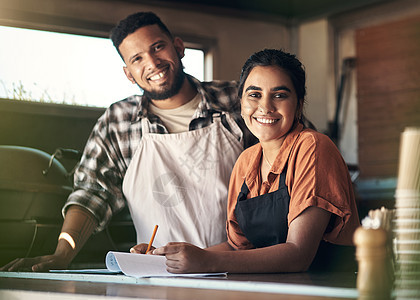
152 61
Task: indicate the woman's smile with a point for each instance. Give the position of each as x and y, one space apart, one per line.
265 121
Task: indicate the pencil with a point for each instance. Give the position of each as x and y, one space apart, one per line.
152 239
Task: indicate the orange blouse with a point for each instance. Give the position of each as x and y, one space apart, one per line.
316 176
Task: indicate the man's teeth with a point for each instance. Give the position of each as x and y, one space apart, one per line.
266 121
157 76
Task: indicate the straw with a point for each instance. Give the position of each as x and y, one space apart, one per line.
384 216
409 160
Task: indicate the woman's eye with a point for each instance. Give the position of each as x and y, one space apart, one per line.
254 95
280 96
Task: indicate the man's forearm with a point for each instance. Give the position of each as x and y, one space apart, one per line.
78 226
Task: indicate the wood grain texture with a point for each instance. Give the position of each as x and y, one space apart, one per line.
388 92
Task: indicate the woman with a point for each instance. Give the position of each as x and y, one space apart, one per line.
287 193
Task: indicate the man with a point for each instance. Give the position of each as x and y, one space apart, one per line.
166 154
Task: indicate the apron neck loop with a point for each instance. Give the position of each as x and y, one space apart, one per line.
145 126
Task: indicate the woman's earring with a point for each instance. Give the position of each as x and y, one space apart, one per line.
299 116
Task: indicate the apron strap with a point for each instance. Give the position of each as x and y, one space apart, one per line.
228 123
145 126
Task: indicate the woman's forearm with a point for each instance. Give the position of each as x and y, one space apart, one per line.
220 247
285 257
295 255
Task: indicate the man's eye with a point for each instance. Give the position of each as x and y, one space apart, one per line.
137 58
159 47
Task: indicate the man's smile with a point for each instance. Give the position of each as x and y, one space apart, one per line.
158 76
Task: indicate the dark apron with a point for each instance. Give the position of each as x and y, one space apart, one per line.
263 220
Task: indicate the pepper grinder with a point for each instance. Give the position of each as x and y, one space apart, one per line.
373 278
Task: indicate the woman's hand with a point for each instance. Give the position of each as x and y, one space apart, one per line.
185 258
141 249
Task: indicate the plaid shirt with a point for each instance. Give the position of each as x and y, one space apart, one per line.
116 136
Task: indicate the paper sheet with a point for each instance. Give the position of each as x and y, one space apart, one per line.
135 265
87 271
142 265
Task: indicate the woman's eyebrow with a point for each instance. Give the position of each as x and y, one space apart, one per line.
253 88
281 88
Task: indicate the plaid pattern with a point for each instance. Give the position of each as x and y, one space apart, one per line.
116 136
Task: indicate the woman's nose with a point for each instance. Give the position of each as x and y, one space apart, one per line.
265 106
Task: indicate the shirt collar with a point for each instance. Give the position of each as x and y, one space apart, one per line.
285 149
253 172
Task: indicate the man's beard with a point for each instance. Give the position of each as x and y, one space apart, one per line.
169 91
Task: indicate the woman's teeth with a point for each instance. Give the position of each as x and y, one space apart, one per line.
266 121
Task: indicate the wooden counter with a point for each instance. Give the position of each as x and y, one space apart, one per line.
21 285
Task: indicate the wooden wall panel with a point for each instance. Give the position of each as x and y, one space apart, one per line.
388 92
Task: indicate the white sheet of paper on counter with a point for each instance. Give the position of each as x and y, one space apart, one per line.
142 265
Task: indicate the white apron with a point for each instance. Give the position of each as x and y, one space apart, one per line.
180 182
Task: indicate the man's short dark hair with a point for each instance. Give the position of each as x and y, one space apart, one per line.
134 22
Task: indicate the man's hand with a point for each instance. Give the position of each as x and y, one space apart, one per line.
77 228
36 264
141 249
185 258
